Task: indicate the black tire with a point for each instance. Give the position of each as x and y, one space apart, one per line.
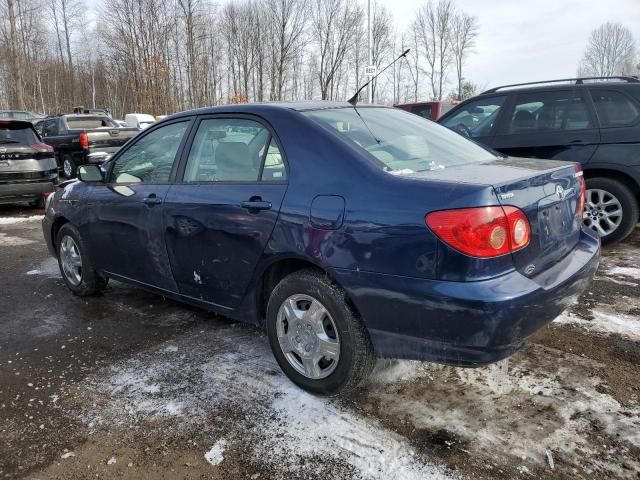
71 171
357 358
628 202
91 282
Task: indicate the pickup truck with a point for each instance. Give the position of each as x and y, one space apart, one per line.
79 139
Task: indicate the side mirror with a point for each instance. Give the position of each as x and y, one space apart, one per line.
90 173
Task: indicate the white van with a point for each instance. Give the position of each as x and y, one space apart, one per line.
138 120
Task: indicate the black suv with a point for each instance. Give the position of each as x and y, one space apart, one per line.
594 121
28 170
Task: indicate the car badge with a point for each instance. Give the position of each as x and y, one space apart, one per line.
529 269
560 192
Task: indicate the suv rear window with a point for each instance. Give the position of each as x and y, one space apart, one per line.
78 123
19 134
400 142
614 108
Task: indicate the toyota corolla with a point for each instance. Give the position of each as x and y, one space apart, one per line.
348 233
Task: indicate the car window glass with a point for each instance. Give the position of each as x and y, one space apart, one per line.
274 169
476 118
5 115
13 133
150 158
21 115
50 128
548 111
423 111
232 150
77 123
614 108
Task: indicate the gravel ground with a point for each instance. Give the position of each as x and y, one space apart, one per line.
130 385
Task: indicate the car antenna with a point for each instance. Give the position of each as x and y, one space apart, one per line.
353 100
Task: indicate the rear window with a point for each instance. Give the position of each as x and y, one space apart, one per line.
79 123
400 142
17 134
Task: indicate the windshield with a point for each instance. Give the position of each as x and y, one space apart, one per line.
400 142
17 134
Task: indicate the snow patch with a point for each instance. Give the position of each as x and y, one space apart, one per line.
215 454
47 268
602 322
10 241
625 272
17 220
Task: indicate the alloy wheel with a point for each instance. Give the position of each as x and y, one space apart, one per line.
66 168
602 211
71 260
308 336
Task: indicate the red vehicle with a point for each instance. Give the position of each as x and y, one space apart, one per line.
430 110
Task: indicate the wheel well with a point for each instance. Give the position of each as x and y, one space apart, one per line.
280 269
55 228
615 175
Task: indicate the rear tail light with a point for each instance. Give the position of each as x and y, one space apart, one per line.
583 191
84 140
482 231
42 147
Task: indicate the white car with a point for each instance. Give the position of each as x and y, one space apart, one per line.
139 120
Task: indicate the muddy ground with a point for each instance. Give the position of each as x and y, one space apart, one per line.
129 385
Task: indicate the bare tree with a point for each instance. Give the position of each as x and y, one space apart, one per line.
610 51
463 40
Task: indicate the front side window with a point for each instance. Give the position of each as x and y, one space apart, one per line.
614 108
150 158
400 142
548 112
233 150
476 118
50 128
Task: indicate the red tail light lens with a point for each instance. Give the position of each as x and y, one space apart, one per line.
482 231
84 140
42 147
583 192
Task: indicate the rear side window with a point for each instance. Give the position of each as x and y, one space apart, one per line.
548 112
476 118
614 108
234 150
17 134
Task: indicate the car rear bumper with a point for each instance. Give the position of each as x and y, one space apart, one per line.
24 192
467 323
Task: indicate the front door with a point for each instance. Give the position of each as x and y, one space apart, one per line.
219 219
555 124
476 119
125 219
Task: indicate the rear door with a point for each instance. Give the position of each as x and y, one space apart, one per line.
125 215
554 124
219 219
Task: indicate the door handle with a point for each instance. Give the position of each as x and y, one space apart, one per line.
152 199
256 204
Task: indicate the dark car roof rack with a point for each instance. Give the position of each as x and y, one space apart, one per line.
576 81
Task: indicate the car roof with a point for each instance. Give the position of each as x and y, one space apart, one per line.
591 82
299 106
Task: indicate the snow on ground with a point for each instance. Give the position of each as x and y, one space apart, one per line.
232 369
11 241
625 272
17 220
47 268
625 325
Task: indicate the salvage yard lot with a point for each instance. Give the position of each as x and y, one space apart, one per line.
130 385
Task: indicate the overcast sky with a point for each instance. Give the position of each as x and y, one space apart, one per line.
528 40
523 40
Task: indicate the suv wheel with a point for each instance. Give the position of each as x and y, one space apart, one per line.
76 268
611 210
68 167
318 341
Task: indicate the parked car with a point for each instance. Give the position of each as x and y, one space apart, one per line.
429 110
139 120
593 121
79 139
348 234
21 115
28 170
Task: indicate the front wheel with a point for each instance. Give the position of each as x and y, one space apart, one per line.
75 266
68 167
318 341
611 209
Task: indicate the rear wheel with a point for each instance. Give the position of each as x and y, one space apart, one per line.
611 209
68 166
318 341
75 266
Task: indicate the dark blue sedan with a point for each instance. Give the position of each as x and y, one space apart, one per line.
347 233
